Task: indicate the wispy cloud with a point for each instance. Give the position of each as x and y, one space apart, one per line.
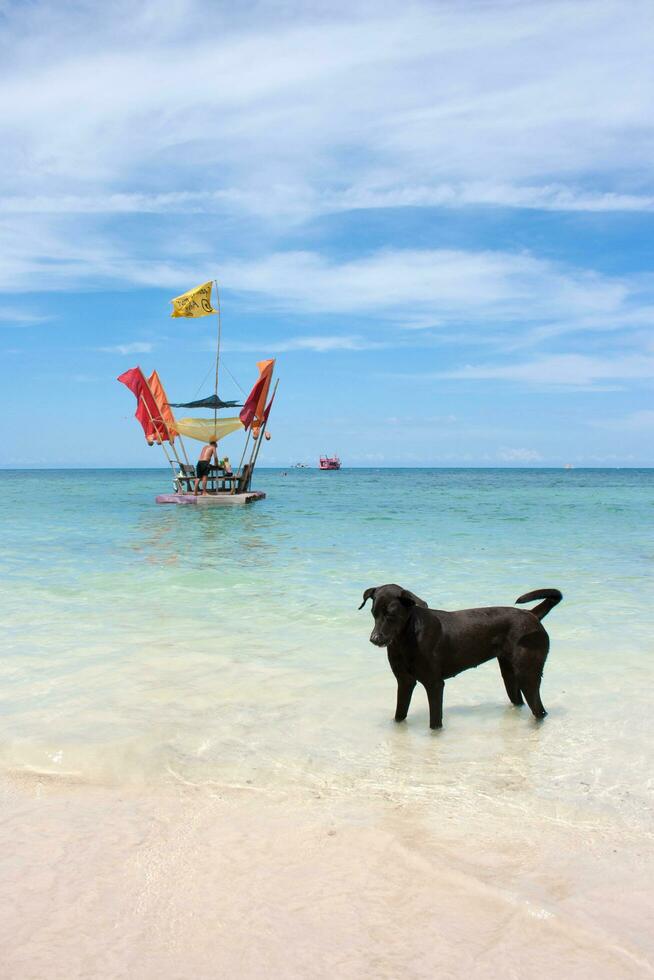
416 288
321 344
288 202
639 421
507 455
14 317
143 153
410 96
174 202
575 370
138 347
438 285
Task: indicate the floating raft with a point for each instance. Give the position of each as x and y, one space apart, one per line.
212 499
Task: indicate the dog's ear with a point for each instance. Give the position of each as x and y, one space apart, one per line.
368 594
409 599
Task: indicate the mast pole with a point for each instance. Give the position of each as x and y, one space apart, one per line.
247 440
215 411
181 442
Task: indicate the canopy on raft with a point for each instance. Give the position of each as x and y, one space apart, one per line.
213 401
206 429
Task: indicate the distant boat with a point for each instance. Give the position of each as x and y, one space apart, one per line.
300 466
329 463
568 466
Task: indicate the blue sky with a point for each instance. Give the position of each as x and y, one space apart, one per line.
438 217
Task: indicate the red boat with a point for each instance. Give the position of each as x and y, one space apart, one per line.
330 463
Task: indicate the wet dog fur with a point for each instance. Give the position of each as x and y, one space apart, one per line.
431 645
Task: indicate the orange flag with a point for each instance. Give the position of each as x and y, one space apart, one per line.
266 369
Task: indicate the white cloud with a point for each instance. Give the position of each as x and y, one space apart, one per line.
515 298
13 317
175 202
545 197
303 109
507 455
138 347
575 370
295 203
230 125
416 288
318 344
639 421
443 284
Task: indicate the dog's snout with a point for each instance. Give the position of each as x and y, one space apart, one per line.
377 639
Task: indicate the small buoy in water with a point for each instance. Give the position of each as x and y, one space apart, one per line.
267 434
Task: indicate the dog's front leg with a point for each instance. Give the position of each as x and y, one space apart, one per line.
434 689
405 686
405 682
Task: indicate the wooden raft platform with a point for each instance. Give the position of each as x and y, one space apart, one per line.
212 499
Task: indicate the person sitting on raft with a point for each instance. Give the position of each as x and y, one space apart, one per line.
207 456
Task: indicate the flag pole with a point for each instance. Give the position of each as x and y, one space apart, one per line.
247 440
181 442
178 434
215 411
160 441
262 432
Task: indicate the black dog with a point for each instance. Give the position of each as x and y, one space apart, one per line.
430 645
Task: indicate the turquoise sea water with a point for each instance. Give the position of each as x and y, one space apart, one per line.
199 769
146 644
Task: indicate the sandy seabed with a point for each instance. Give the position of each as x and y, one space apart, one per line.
99 882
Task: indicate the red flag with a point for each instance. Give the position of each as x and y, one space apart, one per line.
254 405
249 409
147 410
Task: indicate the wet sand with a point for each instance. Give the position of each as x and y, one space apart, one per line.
99 882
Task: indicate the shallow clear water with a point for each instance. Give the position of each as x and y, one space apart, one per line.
199 771
145 643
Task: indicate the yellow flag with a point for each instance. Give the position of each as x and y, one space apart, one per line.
196 302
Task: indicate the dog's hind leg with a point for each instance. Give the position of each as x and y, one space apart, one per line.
529 660
530 684
510 681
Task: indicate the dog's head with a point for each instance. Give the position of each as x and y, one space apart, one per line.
391 607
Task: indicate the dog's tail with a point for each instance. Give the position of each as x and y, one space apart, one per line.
551 598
